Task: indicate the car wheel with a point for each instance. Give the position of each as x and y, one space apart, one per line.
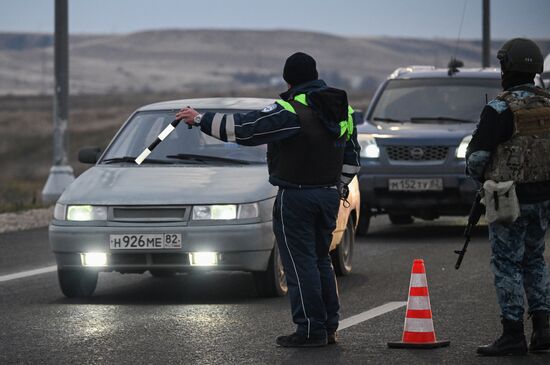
77 283
162 273
401 219
363 225
343 254
272 282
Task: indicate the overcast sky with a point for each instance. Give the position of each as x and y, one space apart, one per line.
411 18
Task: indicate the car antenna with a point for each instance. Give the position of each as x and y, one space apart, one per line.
455 63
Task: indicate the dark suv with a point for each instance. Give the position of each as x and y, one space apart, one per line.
414 141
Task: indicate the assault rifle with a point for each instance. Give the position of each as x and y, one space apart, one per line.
475 213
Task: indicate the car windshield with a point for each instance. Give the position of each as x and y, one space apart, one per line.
455 100
182 146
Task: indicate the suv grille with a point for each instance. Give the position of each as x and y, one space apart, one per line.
417 153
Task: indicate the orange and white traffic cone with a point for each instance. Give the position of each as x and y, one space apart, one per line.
419 328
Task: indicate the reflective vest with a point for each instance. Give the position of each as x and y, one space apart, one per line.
314 157
525 158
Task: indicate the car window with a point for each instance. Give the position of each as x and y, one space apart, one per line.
454 98
144 127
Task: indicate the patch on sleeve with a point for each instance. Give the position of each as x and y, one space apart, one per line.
476 163
269 108
498 105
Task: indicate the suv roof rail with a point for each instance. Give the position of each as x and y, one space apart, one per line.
403 70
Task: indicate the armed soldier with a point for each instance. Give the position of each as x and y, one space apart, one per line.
512 144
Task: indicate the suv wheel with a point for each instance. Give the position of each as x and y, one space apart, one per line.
272 282
77 283
343 254
401 219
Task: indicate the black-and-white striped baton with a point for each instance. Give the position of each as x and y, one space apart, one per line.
165 132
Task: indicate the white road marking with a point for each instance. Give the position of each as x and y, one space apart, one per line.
25 274
370 314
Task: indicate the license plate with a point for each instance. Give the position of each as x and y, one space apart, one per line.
144 241
415 184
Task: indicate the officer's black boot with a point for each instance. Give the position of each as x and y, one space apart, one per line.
540 339
512 341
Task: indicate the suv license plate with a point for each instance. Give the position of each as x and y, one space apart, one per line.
144 241
415 184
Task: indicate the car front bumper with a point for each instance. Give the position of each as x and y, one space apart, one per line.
455 199
243 247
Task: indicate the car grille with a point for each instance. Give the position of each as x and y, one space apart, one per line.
417 153
142 259
128 259
151 214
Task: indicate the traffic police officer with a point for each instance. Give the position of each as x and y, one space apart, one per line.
312 155
512 142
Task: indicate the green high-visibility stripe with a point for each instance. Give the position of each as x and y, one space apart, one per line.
286 105
350 121
346 126
301 98
343 128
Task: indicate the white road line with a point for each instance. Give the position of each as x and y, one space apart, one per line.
24 274
365 316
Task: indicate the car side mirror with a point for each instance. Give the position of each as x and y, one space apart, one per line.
89 155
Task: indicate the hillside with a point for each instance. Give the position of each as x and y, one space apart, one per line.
214 60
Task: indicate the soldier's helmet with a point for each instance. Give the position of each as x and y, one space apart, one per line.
521 55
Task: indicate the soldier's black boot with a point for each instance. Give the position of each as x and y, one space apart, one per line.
512 341
540 339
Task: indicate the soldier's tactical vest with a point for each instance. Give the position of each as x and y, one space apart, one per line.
525 158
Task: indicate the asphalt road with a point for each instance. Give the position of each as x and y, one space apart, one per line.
217 318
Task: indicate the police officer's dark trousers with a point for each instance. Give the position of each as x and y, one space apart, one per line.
303 222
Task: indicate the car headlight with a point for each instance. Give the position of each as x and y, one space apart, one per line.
369 148
60 211
86 213
461 150
247 211
225 212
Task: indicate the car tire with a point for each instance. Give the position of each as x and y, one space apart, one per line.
363 225
272 282
162 273
401 219
77 283
342 256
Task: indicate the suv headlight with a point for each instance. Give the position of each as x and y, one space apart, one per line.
226 212
369 148
461 150
86 213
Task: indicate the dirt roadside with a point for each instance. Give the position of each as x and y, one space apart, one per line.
29 219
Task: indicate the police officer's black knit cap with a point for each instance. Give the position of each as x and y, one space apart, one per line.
300 68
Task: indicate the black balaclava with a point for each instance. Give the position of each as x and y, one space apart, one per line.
514 78
300 68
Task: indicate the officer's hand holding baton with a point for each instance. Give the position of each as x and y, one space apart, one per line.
189 116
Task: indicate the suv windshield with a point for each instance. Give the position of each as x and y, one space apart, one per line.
434 100
182 146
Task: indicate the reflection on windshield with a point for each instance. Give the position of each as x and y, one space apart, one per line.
144 128
433 100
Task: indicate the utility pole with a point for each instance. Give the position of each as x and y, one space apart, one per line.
486 42
61 174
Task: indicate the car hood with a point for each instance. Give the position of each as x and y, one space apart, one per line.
444 133
169 185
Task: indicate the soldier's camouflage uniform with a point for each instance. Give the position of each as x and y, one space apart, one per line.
518 248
